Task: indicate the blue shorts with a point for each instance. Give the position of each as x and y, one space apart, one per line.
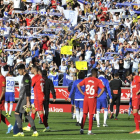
32 101
72 102
101 103
79 104
9 96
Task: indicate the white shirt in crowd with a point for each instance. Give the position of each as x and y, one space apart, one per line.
49 58
121 40
7 31
88 55
19 60
116 64
136 63
63 68
72 70
127 63
10 60
28 60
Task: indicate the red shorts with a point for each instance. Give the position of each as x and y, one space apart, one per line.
136 103
2 105
89 105
38 105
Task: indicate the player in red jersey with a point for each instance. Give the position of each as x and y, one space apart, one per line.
135 89
38 85
92 84
2 100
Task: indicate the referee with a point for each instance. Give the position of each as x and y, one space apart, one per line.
115 86
49 87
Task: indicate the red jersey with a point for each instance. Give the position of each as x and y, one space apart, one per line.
104 9
28 21
101 16
38 84
92 84
135 87
2 84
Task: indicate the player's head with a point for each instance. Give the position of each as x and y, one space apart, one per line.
116 75
81 75
35 69
94 72
21 69
129 75
11 73
101 73
40 72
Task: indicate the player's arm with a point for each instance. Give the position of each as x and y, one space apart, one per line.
27 83
108 90
3 92
52 90
71 91
79 86
3 89
101 86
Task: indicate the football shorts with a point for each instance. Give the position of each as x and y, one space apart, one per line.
101 103
38 105
10 96
136 103
89 105
79 104
72 102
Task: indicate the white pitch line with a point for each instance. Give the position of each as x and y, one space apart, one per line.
87 130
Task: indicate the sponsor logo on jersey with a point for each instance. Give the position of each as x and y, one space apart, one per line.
26 81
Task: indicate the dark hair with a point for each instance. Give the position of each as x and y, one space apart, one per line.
101 73
94 71
35 67
116 75
44 72
11 72
81 75
21 66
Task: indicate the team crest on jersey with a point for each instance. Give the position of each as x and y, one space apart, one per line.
3 82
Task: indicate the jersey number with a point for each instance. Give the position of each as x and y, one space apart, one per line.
10 83
90 90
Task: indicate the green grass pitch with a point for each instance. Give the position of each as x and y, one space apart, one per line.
63 128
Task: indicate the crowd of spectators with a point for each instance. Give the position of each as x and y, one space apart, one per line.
106 35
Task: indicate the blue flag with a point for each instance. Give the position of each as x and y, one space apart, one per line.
67 79
54 79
